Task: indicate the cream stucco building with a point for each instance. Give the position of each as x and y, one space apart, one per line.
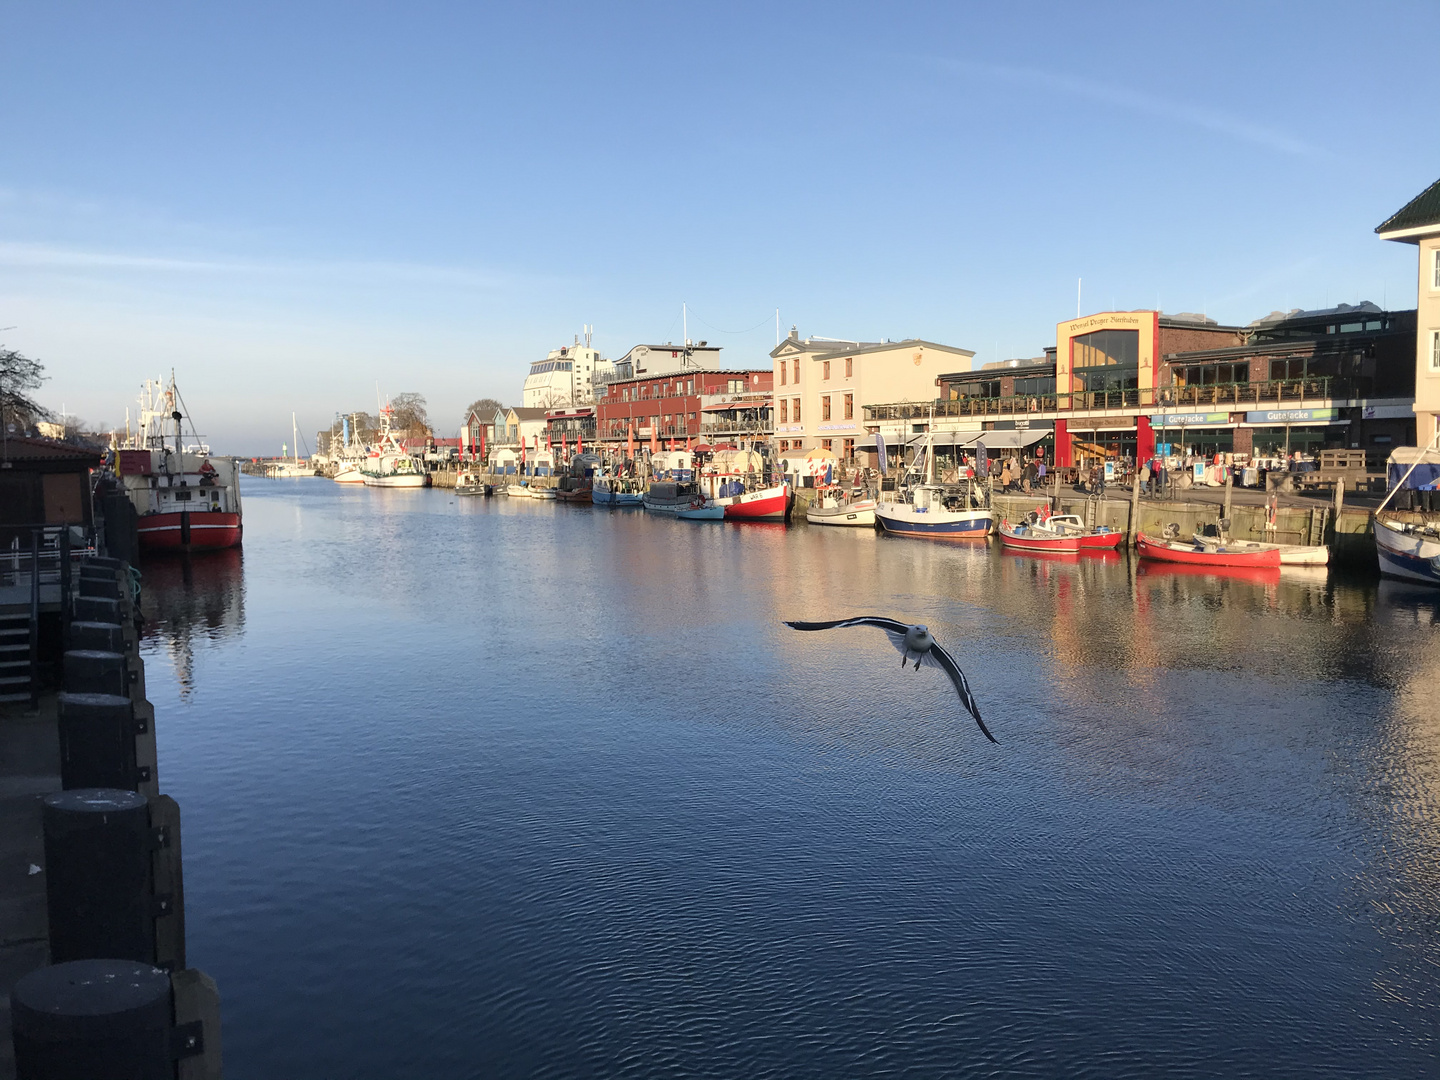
1418 223
823 385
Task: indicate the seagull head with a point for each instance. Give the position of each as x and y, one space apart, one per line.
918 639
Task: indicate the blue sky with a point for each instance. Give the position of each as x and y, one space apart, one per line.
289 203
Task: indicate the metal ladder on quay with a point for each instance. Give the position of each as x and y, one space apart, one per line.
18 634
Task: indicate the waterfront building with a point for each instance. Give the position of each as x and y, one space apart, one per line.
685 402
822 387
567 376
1418 223
477 435
1117 384
516 428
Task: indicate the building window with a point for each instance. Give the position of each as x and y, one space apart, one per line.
1213 374
1435 350
826 376
849 445
784 410
796 374
782 372
689 386
827 444
825 407
849 406
1290 368
796 409
1105 361
784 445
849 367
1435 269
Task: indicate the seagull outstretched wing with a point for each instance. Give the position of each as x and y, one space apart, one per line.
934 657
946 663
894 630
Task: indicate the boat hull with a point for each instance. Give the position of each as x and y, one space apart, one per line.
902 519
702 513
771 504
397 480
1406 555
349 476
1189 555
1023 538
859 515
601 497
187 531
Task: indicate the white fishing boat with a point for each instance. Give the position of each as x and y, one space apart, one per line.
543 493
1409 549
923 508
389 464
349 463
832 507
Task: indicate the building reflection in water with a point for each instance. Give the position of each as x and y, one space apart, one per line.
192 598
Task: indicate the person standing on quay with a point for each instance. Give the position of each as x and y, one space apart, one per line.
1144 479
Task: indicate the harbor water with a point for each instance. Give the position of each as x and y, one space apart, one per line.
491 788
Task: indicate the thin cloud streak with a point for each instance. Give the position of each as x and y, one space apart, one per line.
1180 112
45 256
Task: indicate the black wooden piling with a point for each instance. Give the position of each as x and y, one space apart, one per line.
94 671
96 1020
98 874
97 742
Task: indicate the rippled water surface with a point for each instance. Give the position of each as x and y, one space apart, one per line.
492 788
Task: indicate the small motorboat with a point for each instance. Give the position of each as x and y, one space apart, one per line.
701 510
1058 533
832 508
1290 554
1173 550
517 491
469 483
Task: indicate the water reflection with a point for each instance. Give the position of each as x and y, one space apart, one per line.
563 797
188 598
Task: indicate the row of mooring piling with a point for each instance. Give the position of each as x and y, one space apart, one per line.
118 999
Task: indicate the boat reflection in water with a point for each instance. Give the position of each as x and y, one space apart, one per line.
190 598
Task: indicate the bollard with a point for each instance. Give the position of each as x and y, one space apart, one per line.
92 671
96 1020
97 742
97 609
98 892
100 636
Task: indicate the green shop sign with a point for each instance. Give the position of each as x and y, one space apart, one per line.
1192 419
1290 416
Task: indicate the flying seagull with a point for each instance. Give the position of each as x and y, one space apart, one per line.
914 643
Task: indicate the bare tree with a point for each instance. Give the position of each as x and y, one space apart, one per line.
486 407
408 413
18 376
363 428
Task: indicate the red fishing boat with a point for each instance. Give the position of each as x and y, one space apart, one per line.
1061 534
1190 553
185 500
767 504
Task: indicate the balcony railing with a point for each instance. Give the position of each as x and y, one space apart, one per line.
1275 391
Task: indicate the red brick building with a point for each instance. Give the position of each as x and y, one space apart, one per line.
686 404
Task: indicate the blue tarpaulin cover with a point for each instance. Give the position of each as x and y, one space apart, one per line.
1426 476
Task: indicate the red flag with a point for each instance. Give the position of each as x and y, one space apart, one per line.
578 449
